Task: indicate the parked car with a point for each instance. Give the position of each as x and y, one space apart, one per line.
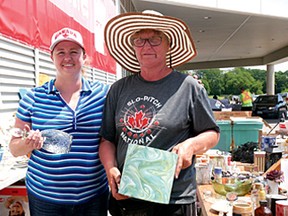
270 106
254 97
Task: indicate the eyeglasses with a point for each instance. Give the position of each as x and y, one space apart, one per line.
153 41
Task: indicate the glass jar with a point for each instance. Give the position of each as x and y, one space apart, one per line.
263 209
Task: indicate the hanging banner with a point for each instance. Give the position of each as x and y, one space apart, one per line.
33 22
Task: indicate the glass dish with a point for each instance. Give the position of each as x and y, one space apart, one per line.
232 185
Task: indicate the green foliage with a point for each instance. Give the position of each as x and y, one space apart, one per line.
260 76
240 77
207 86
281 80
220 82
214 80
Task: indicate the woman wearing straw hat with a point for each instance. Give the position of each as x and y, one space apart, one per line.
157 107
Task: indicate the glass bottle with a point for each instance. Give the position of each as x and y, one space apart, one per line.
218 174
263 209
255 195
262 193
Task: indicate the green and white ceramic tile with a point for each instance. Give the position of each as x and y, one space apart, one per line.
148 174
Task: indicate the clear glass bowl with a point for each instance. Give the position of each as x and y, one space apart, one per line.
232 185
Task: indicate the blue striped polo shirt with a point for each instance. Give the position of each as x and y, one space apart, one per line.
78 176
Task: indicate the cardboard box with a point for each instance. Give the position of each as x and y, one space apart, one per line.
14 198
225 115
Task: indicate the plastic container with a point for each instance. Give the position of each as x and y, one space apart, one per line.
225 135
246 131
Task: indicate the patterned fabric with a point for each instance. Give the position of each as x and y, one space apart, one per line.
78 176
148 173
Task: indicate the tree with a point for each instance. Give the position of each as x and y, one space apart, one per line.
281 82
259 75
214 79
240 77
220 82
207 86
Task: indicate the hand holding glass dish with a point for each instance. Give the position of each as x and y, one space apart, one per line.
56 141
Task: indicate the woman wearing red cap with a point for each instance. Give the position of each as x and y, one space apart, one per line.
72 183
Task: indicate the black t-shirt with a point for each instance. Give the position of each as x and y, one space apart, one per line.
159 114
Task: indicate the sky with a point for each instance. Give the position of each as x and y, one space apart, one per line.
277 67
281 67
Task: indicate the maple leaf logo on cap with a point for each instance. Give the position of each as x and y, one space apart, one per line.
66 34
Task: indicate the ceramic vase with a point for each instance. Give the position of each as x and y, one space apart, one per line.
273 187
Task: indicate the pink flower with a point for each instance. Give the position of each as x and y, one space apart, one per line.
275 175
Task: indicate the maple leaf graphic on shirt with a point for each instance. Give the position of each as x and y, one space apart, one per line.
138 121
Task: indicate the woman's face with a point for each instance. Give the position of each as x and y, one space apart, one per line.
68 58
16 209
150 47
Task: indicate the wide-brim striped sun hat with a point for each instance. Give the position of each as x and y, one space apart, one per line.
119 29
